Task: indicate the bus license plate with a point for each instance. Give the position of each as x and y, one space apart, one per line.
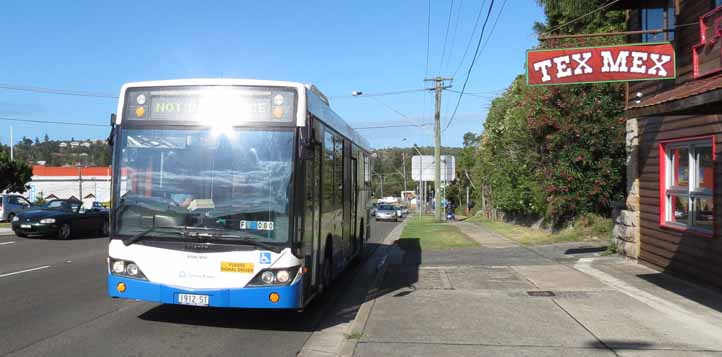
193 299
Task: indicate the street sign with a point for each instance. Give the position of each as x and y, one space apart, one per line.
422 168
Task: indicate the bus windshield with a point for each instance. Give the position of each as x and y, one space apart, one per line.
235 183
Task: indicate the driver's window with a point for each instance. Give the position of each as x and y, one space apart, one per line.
24 202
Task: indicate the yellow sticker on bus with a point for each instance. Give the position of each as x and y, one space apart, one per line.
231 267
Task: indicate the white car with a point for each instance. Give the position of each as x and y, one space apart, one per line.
386 212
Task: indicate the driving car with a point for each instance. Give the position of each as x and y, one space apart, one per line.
61 218
11 204
386 213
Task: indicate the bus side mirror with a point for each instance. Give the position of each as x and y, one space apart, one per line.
111 137
307 149
308 143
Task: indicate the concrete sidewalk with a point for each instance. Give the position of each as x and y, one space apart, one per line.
6 232
512 300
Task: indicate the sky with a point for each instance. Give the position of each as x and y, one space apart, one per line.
341 47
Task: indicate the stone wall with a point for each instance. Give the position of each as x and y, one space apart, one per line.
626 217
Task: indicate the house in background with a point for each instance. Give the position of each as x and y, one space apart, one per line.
672 219
90 183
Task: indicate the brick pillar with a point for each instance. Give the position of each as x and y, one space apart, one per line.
626 217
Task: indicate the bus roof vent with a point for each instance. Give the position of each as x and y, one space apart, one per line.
318 92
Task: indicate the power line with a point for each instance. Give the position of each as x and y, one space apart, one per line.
52 122
471 38
480 95
453 34
413 122
388 126
446 37
583 16
382 94
473 61
24 88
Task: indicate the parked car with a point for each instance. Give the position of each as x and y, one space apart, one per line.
99 206
399 211
386 213
11 204
62 219
405 210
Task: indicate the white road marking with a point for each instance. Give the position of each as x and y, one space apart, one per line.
6 243
24 271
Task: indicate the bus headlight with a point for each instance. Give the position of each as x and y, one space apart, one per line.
282 276
125 268
118 267
132 269
267 277
271 277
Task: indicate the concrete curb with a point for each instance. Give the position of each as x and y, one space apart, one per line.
358 325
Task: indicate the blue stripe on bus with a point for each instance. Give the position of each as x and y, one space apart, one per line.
256 297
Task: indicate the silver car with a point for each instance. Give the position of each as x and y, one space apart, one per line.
386 213
10 205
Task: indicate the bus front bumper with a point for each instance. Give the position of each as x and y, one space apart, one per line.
255 297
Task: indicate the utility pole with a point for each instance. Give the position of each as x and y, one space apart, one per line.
12 144
403 160
438 87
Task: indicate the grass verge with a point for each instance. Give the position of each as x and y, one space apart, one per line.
4 225
590 228
435 236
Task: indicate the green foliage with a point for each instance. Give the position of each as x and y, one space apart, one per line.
94 153
40 199
554 152
15 174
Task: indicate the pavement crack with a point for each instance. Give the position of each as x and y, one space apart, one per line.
585 327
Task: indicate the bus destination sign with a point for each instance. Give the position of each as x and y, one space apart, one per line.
230 105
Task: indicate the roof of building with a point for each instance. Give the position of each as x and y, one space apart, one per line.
680 92
70 171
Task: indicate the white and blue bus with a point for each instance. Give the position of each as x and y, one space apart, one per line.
233 193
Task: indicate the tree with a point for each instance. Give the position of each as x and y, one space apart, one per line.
556 152
46 138
15 175
37 141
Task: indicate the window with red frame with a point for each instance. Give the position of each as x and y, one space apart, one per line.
689 185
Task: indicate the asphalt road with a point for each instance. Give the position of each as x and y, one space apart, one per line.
53 302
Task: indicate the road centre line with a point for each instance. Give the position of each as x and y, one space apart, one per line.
25 271
6 243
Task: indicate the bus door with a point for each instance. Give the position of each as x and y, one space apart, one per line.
312 215
353 203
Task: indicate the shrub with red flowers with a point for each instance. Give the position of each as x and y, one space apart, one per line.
556 152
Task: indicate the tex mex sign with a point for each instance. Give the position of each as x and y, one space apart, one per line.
632 62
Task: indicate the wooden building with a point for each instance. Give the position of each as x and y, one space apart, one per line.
673 215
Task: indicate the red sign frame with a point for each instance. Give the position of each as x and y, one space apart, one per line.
708 41
620 63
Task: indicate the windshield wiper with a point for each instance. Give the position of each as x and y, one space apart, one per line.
236 239
139 236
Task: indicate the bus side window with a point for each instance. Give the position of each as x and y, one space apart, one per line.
328 172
